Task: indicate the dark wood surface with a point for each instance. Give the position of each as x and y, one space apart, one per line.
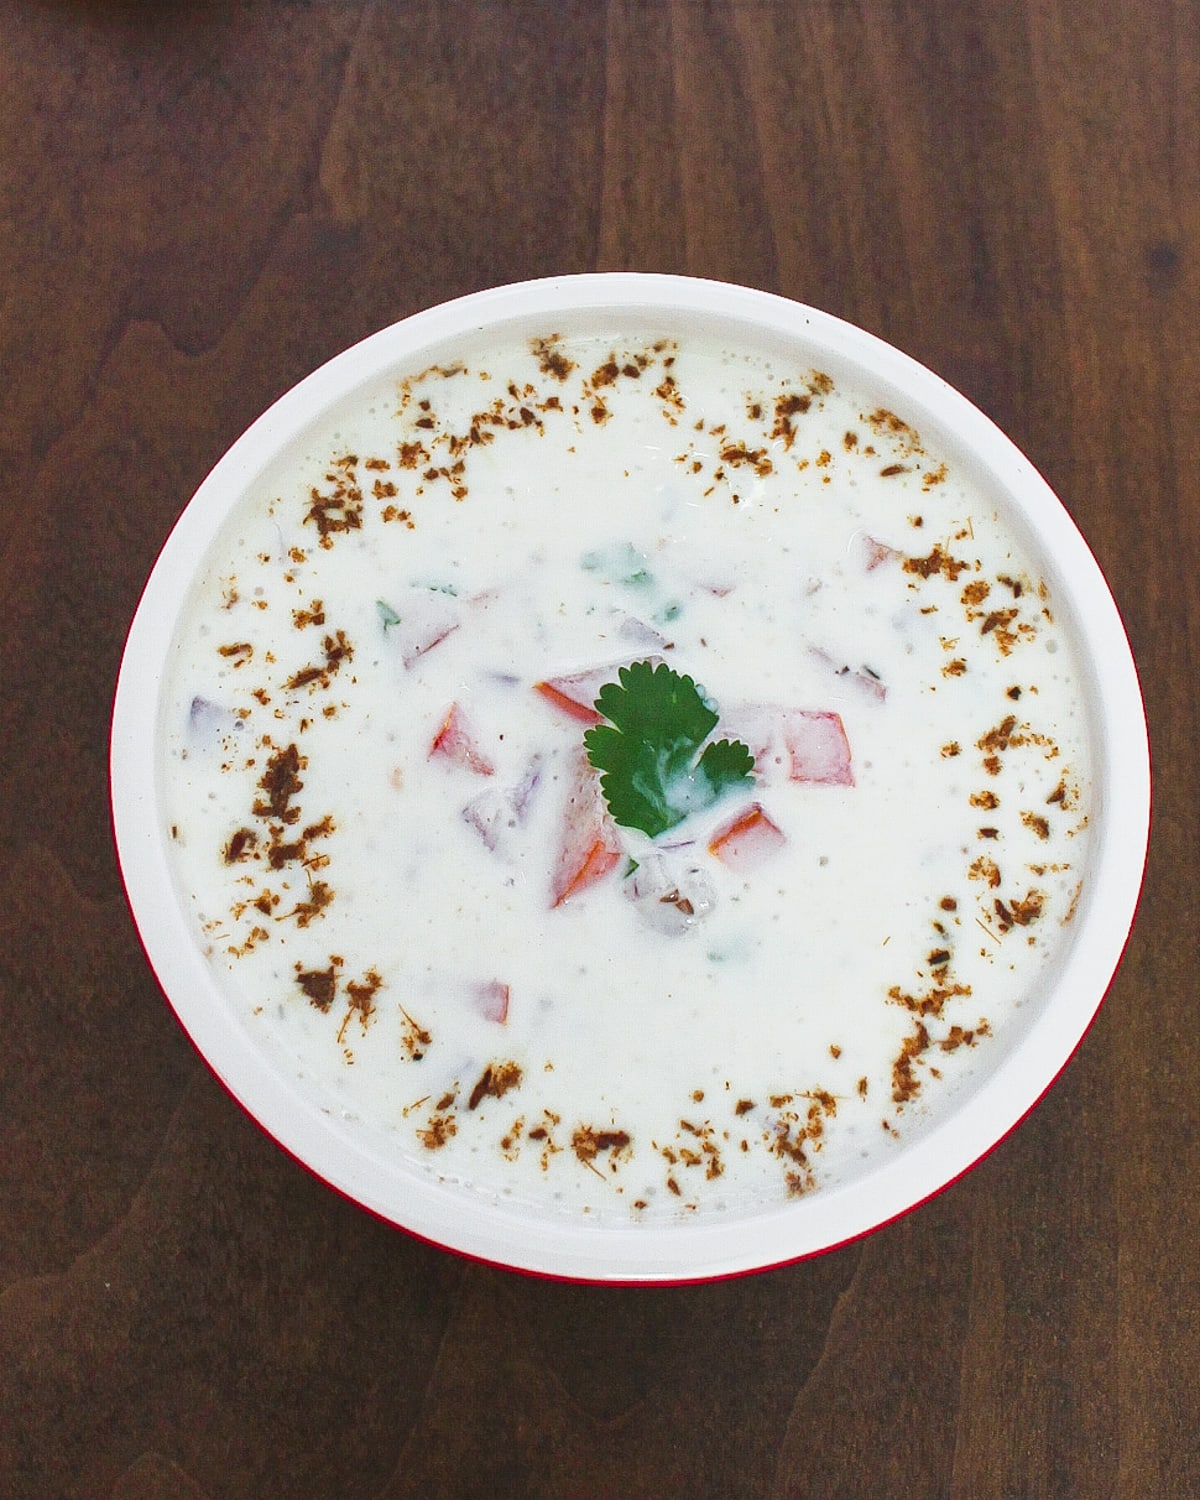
201 202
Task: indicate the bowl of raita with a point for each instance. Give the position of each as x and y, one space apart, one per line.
630 778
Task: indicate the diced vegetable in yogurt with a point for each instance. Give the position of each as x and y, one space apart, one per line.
499 814
458 742
799 744
588 845
627 774
671 889
747 841
493 1001
420 620
575 693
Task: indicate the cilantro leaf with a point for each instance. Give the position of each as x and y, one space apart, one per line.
653 770
725 763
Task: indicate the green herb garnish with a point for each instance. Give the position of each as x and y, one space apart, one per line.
653 771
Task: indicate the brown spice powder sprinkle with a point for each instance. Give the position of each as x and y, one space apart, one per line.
413 1038
959 1036
786 407
240 846
905 1084
936 561
1000 738
494 1082
1019 913
412 455
883 420
362 995
551 360
280 853
313 615
341 509
986 870
932 1002
736 454
320 985
320 896
996 619
437 1132
337 649
281 781
588 1143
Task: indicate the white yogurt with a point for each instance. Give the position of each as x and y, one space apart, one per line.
370 757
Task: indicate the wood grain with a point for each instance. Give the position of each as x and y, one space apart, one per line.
200 203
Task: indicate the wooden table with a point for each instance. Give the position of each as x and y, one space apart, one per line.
202 202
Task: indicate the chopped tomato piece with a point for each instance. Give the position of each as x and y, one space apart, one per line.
818 748
598 859
457 742
493 1001
571 696
792 744
576 693
589 846
748 840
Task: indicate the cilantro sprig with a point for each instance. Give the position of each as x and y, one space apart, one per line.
654 772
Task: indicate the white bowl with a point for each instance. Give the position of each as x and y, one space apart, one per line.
771 1234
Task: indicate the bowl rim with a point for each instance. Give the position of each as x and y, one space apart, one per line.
700 1250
